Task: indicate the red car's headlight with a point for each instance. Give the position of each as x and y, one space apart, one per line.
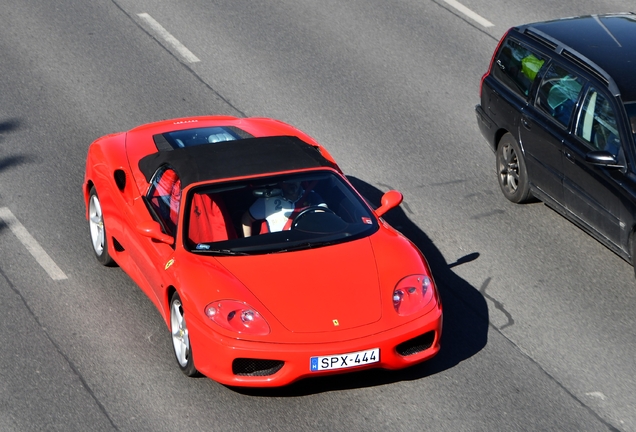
237 316
412 293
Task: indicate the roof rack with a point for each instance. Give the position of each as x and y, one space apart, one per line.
576 57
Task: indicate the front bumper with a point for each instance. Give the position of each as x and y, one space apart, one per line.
215 354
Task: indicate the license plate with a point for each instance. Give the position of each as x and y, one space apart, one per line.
342 361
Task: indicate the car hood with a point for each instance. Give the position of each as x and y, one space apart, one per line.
330 288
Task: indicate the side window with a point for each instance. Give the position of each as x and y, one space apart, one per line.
597 123
631 113
517 66
558 93
164 197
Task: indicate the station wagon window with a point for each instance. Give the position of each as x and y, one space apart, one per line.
164 198
517 66
631 113
558 93
597 123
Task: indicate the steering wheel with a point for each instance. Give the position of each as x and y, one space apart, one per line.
310 209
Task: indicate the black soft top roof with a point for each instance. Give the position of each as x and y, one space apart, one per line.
245 157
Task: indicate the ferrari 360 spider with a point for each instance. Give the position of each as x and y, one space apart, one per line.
265 263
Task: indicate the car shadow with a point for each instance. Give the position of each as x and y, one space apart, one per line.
11 125
13 160
465 329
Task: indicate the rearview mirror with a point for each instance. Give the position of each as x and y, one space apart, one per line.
390 199
152 230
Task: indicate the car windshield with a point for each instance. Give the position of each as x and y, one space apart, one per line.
275 214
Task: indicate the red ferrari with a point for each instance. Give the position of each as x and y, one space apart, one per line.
264 261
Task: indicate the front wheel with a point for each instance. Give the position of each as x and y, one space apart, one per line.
97 229
181 337
511 170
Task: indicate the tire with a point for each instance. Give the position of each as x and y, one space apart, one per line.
511 170
180 337
97 230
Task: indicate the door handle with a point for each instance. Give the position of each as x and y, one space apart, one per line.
569 156
525 122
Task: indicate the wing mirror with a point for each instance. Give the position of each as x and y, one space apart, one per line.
390 199
152 229
602 158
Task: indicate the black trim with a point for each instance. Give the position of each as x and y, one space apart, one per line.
256 367
120 179
161 142
574 56
416 345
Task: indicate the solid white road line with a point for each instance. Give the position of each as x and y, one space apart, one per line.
470 14
170 40
31 244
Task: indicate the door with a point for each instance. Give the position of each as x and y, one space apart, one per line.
161 204
514 71
544 128
593 192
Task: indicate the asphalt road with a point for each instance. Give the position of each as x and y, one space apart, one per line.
539 325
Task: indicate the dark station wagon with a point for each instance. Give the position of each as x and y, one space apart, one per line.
558 108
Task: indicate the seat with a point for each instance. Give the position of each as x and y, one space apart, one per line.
209 220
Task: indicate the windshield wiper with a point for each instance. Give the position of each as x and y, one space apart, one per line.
219 252
302 246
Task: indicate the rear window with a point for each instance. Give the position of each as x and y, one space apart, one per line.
198 136
517 66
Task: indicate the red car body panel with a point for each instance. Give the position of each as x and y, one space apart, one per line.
324 301
308 296
219 352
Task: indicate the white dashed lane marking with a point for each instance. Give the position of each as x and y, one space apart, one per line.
169 41
31 244
469 13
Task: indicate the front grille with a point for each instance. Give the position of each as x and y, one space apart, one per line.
256 367
416 345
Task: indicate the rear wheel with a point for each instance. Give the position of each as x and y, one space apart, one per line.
181 337
511 170
99 239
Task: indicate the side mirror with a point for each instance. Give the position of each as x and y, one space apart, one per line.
602 158
152 230
390 199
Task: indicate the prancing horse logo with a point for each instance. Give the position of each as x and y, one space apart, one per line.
336 323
